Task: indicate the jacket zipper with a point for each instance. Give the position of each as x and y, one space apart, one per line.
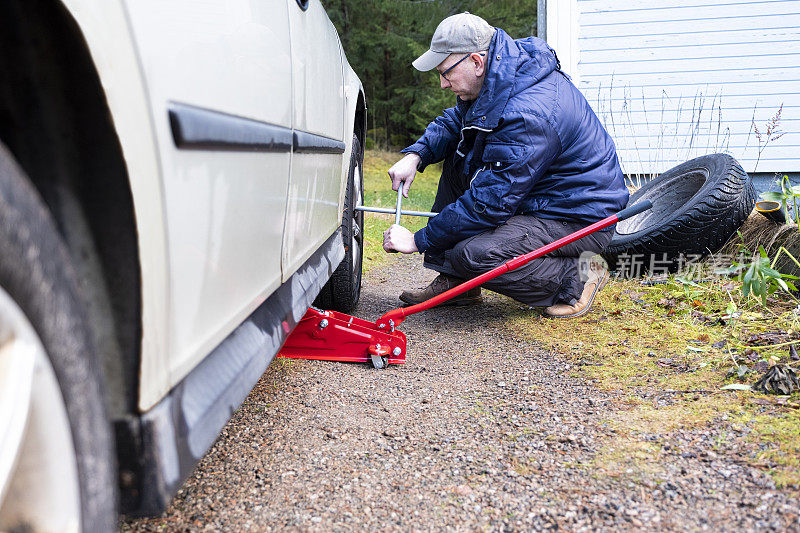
463 128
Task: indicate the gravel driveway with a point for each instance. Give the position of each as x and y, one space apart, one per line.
477 431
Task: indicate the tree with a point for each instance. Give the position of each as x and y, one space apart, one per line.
383 37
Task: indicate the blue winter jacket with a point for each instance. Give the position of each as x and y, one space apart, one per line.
530 145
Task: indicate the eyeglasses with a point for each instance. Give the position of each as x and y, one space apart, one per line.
454 65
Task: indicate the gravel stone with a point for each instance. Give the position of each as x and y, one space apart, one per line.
479 430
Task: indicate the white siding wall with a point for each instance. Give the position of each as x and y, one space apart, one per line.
680 78
562 34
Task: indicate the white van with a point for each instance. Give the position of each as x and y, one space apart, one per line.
178 181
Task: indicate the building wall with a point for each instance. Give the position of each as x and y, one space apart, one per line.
562 34
682 78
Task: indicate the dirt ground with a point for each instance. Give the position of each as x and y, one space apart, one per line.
479 430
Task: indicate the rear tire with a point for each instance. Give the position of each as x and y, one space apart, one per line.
343 290
39 304
697 208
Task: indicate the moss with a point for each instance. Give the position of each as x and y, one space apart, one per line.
524 467
680 340
780 431
628 458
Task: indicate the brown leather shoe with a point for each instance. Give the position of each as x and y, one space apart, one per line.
440 284
598 277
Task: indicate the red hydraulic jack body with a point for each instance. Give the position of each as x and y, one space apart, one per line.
334 336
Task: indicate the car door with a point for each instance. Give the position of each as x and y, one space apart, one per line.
218 75
318 122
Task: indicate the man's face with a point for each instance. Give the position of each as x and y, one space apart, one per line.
465 77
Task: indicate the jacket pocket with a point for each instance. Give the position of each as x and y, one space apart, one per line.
499 156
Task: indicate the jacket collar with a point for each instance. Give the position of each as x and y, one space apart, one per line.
505 58
501 61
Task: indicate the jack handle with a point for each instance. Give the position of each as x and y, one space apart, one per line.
393 318
634 210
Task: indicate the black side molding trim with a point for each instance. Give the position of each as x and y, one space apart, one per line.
203 129
160 448
305 143
196 128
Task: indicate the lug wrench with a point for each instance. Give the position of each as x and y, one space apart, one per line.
396 211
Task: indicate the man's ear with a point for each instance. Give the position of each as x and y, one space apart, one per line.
479 61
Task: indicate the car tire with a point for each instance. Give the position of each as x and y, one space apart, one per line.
62 460
343 290
697 208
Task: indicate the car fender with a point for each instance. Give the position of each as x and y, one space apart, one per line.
354 91
105 29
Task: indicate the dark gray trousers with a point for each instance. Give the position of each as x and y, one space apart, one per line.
542 282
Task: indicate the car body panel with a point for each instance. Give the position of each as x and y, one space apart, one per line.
105 29
224 208
318 92
202 273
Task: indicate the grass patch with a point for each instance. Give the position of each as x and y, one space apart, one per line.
682 339
782 431
629 458
378 193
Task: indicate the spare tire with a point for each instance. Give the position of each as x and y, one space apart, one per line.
697 208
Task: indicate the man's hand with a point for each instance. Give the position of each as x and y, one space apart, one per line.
404 171
399 239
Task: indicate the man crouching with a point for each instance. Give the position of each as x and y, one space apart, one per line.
526 162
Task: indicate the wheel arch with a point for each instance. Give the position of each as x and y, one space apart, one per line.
55 119
360 122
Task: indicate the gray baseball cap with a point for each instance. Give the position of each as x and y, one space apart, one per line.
462 33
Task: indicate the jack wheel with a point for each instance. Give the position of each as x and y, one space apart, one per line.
379 361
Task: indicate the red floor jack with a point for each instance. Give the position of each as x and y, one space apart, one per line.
334 336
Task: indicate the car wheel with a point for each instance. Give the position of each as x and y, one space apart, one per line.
343 290
697 208
56 461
